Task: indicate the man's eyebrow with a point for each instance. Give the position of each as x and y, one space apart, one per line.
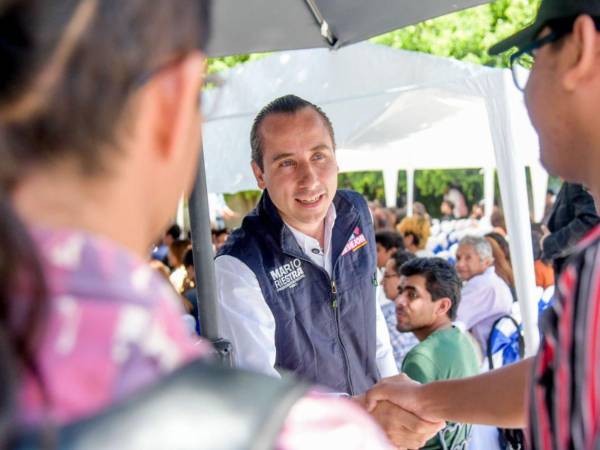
284 155
320 147
409 286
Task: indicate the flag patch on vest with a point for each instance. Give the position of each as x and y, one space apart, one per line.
356 241
288 275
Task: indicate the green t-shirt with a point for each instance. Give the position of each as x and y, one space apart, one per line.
444 355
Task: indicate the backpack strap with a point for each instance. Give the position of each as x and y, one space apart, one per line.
493 335
200 406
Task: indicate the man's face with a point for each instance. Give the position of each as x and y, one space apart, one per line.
554 113
383 255
299 167
391 280
414 308
468 262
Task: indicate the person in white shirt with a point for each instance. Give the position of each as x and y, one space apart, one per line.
296 282
485 296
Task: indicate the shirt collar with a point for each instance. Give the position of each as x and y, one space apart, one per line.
308 243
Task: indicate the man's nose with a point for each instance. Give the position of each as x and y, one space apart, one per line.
400 300
308 176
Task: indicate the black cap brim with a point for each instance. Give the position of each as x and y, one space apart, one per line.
519 40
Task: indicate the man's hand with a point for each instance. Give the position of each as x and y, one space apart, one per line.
403 428
400 390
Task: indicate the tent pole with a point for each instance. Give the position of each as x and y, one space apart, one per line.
488 192
390 183
180 218
513 183
204 266
539 186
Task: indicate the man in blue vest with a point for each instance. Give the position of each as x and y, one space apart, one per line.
296 283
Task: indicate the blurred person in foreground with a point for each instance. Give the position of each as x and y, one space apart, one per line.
553 395
89 179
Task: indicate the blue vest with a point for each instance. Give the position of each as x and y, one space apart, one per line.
324 327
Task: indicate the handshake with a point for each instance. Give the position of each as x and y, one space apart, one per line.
397 404
411 413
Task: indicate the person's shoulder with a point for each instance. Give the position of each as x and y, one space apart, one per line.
241 240
352 196
421 351
583 263
346 199
590 242
452 351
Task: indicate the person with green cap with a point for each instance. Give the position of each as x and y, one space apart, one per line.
555 395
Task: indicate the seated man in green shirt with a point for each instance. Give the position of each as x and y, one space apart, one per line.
428 297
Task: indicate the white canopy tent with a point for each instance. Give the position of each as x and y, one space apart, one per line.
392 110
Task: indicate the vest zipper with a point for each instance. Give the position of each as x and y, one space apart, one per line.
333 295
336 314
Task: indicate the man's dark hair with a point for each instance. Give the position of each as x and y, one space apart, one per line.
389 239
288 104
174 231
216 233
400 257
69 118
441 279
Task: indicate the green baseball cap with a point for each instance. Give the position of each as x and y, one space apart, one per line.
549 10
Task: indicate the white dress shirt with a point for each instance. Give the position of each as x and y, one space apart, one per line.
484 298
247 322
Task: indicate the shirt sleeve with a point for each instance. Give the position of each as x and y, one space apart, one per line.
477 301
386 363
419 367
320 421
245 319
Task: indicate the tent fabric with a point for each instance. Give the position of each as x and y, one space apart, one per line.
389 108
251 26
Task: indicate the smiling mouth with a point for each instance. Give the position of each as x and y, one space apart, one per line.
311 200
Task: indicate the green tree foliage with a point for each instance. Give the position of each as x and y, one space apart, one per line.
466 35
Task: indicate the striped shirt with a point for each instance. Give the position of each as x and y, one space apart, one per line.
565 397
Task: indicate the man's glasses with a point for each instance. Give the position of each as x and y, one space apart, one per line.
522 61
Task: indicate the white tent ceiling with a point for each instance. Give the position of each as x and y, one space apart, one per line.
388 107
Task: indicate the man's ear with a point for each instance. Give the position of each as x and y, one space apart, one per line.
259 175
586 55
172 97
443 306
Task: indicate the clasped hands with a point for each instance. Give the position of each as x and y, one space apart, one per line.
394 403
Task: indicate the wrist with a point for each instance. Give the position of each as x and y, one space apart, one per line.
360 400
425 404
